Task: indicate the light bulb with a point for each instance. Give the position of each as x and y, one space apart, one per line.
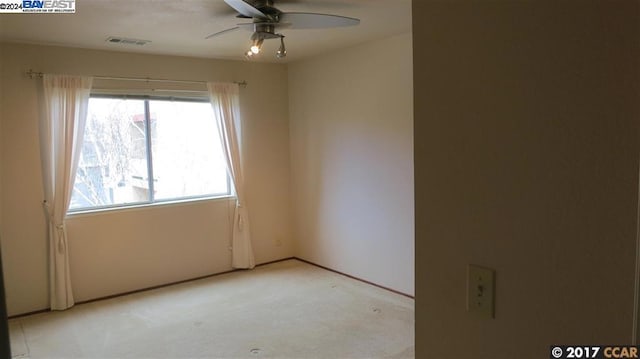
257 45
282 52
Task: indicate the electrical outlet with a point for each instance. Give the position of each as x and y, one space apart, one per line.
480 291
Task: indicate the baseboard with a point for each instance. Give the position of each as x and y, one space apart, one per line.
356 278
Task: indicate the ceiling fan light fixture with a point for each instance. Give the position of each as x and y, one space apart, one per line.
282 51
256 46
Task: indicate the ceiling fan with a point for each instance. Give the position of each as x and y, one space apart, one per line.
267 20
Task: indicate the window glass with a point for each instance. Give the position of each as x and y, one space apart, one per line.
129 141
186 155
113 163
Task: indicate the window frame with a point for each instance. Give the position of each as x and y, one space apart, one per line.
152 201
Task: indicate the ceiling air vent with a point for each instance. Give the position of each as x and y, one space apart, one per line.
123 41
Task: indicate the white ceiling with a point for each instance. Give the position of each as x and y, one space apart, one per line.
179 27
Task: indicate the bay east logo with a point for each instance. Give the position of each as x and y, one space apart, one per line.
49 6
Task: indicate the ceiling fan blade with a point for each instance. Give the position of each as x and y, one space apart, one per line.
307 20
245 9
222 32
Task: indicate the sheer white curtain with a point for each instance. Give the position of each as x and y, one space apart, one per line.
66 99
225 102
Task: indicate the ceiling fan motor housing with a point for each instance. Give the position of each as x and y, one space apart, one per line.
264 31
267 8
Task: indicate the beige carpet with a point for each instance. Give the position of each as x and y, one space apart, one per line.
288 309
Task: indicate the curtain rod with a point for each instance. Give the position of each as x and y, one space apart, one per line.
37 74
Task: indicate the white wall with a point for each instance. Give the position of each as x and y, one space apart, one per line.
352 161
526 161
116 252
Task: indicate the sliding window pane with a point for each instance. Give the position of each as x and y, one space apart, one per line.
113 164
186 152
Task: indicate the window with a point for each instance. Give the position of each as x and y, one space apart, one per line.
140 151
